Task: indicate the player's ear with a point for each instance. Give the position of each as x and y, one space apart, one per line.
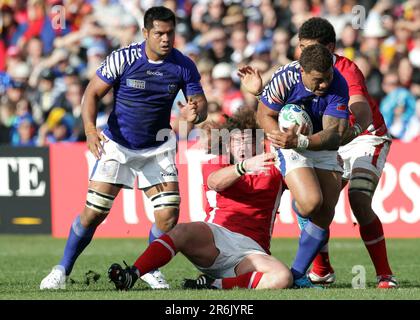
145 33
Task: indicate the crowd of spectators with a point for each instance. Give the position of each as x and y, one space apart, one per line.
49 49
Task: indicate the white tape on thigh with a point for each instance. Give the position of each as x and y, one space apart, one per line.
167 199
99 202
362 182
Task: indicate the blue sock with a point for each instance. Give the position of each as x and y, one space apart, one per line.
311 241
77 241
155 233
301 220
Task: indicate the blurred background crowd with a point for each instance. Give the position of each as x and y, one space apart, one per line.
49 49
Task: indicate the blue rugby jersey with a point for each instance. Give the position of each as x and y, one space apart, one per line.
286 87
144 92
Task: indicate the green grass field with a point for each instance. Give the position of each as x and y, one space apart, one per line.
25 260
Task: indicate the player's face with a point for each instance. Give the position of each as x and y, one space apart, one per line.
159 39
242 146
317 82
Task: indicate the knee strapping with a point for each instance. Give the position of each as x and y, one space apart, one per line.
362 182
100 202
166 199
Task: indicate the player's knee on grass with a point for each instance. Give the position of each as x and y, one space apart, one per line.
281 279
179 235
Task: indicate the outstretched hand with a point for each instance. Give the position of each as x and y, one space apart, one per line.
251 79
260 163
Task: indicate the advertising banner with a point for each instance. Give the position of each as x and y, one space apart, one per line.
396 201
24 190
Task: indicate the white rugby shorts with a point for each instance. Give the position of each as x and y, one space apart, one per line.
367 152
290 159
233 247
152 166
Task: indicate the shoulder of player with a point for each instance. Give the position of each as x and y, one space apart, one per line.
345 66
181 59
125 56
338 87
293 66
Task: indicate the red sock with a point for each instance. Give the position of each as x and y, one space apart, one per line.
322 264
248 280
373 236
157 254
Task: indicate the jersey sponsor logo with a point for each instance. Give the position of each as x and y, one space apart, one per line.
342 107
134 83
172 88
154 73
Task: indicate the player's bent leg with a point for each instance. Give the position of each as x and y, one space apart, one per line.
362 186
99 201
274 273
165 199
195 240
315 233
304 186
330 184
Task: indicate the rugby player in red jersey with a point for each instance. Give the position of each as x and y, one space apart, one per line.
231 247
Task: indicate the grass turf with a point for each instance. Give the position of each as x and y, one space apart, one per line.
25 260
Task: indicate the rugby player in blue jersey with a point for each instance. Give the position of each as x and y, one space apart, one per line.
308 163
138 142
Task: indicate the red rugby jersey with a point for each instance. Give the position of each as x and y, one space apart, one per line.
248 207
357 86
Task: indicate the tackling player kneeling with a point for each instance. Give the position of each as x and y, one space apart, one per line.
231 247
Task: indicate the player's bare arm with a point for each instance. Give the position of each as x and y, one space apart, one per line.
327 139
330 137
225 177
267 119
95 90
361 110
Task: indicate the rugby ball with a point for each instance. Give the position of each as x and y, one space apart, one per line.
293 114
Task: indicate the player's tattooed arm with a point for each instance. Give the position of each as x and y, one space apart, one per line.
330 137
359 107
267 119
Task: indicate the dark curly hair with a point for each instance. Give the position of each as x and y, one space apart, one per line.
158 13
318 29
243 118
316 57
